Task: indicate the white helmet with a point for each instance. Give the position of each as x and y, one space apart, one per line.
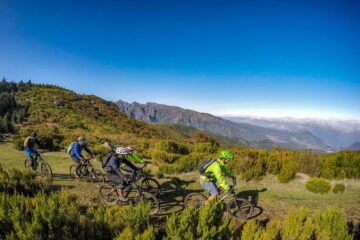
121 150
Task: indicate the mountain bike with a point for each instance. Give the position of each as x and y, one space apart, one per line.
148 184
95 176
133 194
45 169
239 208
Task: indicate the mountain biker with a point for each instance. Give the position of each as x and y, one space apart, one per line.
29 148
131 156
76 156
112 168
213 175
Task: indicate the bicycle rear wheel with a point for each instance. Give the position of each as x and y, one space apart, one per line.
150 199
96 177
195 200
108 194
240 208
151 185
45 169
72 171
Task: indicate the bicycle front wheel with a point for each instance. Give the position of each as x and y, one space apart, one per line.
150 199
27 164
195 200
46 171
240 208
108 194
96 177
151 185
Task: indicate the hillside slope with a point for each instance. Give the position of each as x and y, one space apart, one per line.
60 115
247 133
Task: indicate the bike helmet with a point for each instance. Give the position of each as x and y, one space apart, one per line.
81 139
121 150
226 154
130 148
33 134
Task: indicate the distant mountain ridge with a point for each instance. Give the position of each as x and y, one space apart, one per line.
354 147
338 133
243 132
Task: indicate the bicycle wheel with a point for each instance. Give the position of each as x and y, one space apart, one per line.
27 164
96 177
240 208
108 194
151 185
45 169
195 200
150 199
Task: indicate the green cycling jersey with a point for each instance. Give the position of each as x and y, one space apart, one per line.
216 170
133 158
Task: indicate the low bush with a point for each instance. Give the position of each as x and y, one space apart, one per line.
206 223
318 185
21 181
300 225
339 188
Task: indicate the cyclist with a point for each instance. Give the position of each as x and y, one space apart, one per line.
213 175
76 156
29 148
113 164
131 156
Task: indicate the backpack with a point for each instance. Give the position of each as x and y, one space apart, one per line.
70 148
105 159
202 168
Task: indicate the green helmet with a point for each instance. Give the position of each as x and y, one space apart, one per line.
226 154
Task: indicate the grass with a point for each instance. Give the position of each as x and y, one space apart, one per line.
271 197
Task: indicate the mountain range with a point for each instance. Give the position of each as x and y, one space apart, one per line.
337 133
243 132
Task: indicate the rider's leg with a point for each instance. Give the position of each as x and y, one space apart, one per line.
28 154
211 188
113 177
78 165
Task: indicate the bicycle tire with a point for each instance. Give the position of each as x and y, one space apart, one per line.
147 197
27 163
96 177
240 208
46 171
195 200
151 185
108 194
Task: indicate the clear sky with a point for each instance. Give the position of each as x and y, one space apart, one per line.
273 58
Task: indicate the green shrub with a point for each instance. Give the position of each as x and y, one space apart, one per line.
288 171
206 223
318 185
297 225
254 231
170 146
331 224
339 188
53 216
21 181
162 156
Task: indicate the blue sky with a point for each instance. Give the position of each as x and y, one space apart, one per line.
270 58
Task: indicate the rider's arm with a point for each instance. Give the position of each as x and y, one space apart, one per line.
226 170
217 172
76 151
88 150
128 163
135 158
